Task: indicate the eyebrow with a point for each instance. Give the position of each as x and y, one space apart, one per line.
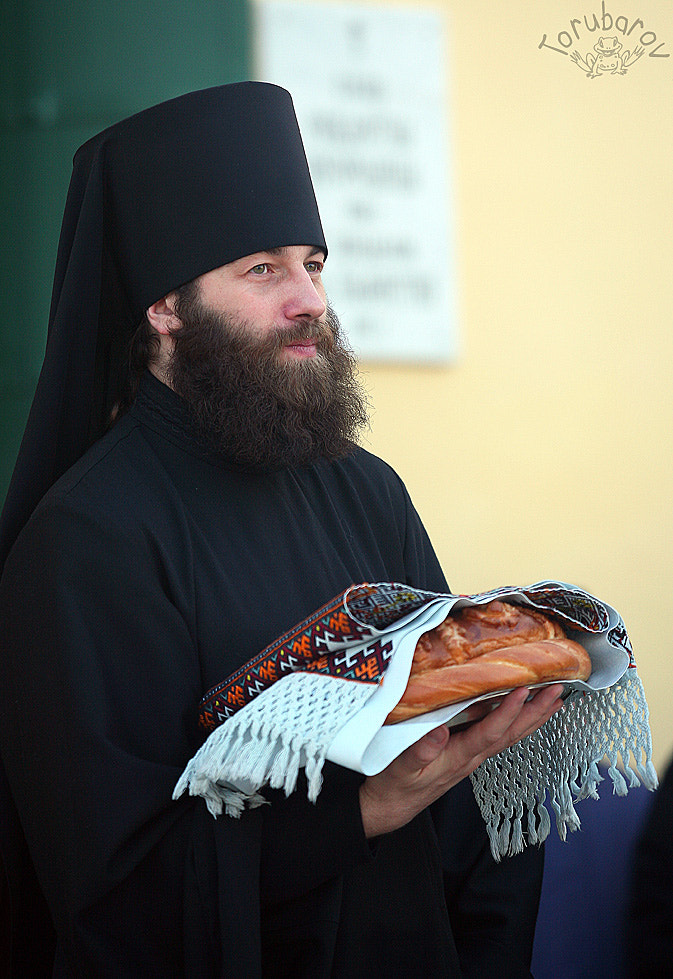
282 249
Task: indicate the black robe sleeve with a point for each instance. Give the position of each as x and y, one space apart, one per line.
100 683
648 930
492 906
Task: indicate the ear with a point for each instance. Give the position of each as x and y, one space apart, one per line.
162 315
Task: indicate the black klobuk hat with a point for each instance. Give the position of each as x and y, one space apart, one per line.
154 201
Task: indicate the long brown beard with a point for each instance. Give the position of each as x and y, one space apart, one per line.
255 409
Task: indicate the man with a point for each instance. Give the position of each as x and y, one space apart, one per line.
224 505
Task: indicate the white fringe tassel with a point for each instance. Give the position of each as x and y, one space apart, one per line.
289 726
561 759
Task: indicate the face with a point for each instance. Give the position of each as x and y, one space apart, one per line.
258 358
279 290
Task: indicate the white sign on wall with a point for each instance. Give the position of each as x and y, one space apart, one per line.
369 91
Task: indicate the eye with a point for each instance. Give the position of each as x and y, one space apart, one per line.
259 269
314 267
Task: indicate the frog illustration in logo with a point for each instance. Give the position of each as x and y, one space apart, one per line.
608 60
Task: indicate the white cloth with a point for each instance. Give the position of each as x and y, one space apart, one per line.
304 718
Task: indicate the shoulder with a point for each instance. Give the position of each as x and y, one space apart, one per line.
103 504
373 474
105 467
369 462
121 478
360 481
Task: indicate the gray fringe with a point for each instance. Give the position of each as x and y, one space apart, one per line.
561 759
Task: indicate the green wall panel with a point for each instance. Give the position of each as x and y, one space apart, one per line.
68 68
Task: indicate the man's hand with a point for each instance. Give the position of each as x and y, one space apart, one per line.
427 769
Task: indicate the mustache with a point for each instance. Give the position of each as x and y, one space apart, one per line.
321 332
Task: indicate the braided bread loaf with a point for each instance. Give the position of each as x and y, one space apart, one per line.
485 649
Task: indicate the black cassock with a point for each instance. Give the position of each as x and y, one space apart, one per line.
147 575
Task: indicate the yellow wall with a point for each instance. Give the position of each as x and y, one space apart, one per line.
546 450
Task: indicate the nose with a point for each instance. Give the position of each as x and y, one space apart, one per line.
305 296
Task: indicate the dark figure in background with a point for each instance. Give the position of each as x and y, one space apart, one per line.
648 933
166 521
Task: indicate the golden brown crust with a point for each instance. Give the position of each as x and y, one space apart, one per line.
484 649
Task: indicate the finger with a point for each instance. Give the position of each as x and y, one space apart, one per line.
541 702
423 752
537 711
550 693
494 725
481 738
529 707
522 716
517 715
